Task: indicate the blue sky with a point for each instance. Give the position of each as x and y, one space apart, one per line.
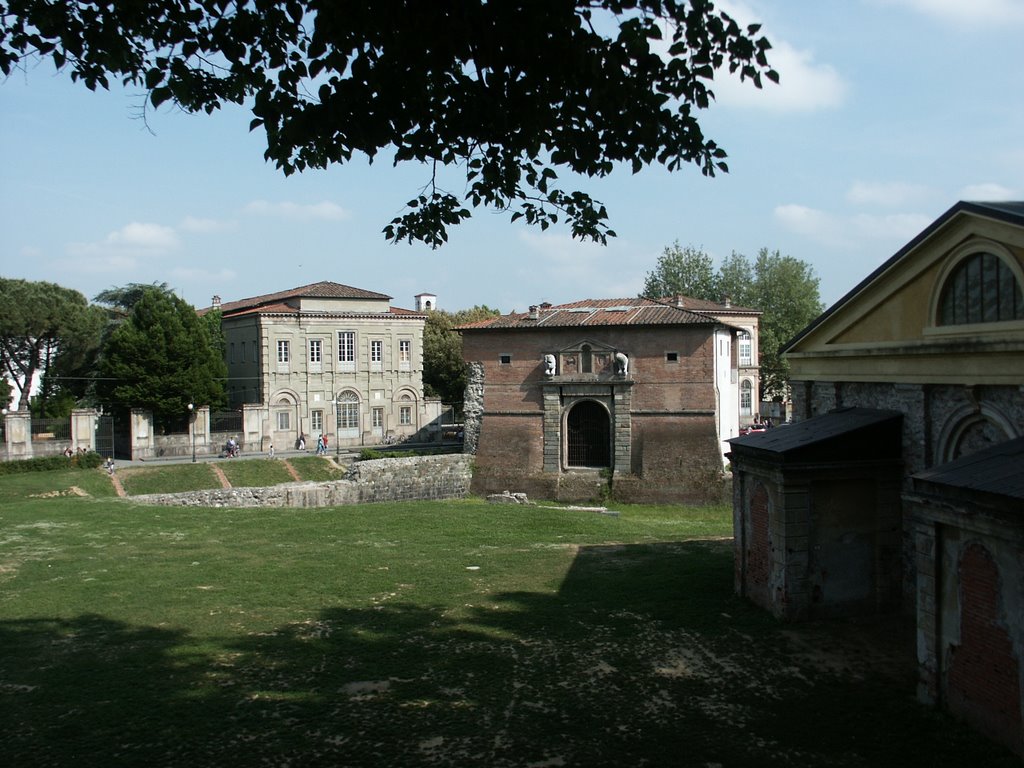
889 112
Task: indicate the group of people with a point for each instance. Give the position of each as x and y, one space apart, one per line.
321 444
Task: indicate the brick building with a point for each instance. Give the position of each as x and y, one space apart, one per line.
565 399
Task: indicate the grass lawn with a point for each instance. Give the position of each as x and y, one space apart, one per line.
424 634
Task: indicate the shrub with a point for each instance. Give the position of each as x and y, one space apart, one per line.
89 460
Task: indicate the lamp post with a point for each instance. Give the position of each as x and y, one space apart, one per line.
192 423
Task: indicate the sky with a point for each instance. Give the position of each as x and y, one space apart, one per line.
887 114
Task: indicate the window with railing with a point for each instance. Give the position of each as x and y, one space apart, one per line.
347 350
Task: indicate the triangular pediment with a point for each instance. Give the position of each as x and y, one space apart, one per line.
896 314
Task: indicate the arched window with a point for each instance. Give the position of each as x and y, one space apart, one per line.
348 414
588 364
588 440
746 397
981 289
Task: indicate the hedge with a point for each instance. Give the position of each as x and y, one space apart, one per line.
89 460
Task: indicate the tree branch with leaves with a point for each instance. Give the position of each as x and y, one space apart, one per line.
512 93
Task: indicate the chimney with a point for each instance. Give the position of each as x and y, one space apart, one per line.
727 301
533 311
216 302
679 301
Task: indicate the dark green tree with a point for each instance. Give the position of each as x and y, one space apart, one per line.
40 324
508 92
444 371
162 358
684 271
785 289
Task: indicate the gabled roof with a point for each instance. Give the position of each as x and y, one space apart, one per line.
593 313
276 302
997 471
1008 212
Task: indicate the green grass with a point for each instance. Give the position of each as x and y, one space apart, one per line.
317 468
250 473
433 634
174 478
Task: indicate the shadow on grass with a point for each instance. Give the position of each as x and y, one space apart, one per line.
644 656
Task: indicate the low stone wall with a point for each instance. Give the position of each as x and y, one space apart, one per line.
421 478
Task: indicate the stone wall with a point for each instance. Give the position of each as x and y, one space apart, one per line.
420 478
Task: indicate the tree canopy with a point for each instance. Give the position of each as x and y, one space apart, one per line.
162 358
784 288
509 91
444 371
686 271
41 322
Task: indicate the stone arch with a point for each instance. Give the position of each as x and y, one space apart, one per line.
588 435
971 428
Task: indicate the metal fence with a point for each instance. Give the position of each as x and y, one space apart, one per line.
226 421
51 429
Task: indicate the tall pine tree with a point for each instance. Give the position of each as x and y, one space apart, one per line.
162 358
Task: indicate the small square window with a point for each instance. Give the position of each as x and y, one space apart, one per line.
505 359
671 357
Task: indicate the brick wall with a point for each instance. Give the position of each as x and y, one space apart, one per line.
984 674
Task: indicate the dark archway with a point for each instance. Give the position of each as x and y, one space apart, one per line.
588 439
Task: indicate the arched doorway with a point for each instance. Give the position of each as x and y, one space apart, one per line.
588 435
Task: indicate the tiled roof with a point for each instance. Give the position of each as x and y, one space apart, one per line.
703 305
324 289
998 471
593 312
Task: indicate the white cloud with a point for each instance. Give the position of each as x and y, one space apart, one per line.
986 13
324 211
594 271
804 84
989 192
121 249
202 226
850 230
888 194
141 236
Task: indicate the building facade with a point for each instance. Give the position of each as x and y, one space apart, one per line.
327 359
935 334
629 395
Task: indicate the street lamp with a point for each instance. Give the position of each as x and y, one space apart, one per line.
192 422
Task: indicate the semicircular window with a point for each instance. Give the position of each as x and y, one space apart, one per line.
982 289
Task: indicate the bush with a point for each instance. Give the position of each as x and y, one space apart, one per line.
89 460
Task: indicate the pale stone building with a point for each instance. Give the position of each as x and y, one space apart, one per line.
327 359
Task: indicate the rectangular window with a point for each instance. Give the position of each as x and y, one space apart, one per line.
347 350
283 421
282 351
746 354
671 357
505 359
231 353
376 355
405 415
315 350
243 345
378 418
316 422
404 354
